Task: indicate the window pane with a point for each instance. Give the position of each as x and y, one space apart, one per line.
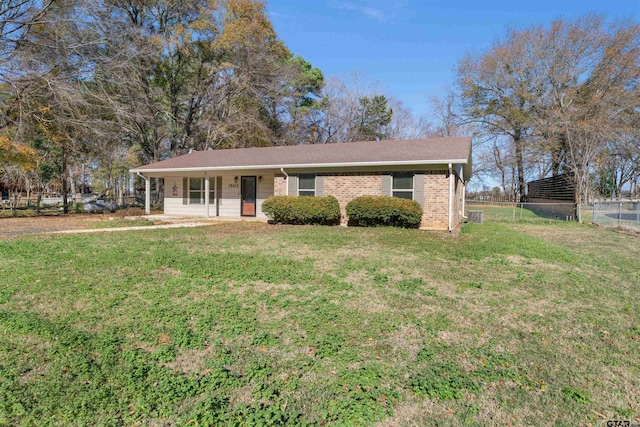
195 184
212 197
194 197
403 181
307 182
403 194
306 193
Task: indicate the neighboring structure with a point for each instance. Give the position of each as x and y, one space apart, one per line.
235 182
559 188
554 197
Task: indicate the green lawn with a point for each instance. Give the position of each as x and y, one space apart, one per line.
251 324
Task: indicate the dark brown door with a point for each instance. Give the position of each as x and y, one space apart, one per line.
248 192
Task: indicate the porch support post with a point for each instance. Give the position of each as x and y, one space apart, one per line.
206 196
147 195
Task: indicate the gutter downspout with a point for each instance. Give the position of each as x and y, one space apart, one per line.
147 193
450 197
464 191
287 183
464 199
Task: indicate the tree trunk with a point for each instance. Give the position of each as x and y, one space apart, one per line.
519 143
28 185
14 207
72 184
65 177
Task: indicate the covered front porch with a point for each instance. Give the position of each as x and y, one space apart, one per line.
213 194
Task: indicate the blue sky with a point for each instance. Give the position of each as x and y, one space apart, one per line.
411 46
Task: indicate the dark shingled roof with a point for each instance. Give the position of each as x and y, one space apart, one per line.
412 151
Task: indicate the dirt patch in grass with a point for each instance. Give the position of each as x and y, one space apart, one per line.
11 227
192 360
367 299
417 412
406 339
242 228
40 305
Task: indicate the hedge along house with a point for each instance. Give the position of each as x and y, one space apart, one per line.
233 183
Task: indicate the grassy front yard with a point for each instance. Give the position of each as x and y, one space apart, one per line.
250 324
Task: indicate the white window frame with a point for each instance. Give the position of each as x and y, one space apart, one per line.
212 191
402 190
307 190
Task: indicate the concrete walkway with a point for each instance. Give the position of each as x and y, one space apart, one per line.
179 219
174 222
138 227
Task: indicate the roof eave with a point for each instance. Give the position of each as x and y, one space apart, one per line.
303 166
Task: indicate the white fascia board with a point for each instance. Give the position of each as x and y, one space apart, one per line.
304 166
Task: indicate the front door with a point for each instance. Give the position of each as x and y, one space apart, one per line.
248 199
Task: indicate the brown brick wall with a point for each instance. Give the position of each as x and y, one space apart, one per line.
280 186
436 201
346 187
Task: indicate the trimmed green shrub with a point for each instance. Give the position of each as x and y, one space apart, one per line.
302 210
376 211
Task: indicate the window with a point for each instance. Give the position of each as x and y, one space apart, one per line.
306 185
402 186
196 191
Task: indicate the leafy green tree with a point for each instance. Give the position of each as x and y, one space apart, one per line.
372 119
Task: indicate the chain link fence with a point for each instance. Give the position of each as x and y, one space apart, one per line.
524 212
616 214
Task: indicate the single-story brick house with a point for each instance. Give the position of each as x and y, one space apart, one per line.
235 182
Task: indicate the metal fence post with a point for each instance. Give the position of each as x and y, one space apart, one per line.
620 214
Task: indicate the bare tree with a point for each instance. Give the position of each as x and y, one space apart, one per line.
360 110
447 114
591 93
495 94
405 124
